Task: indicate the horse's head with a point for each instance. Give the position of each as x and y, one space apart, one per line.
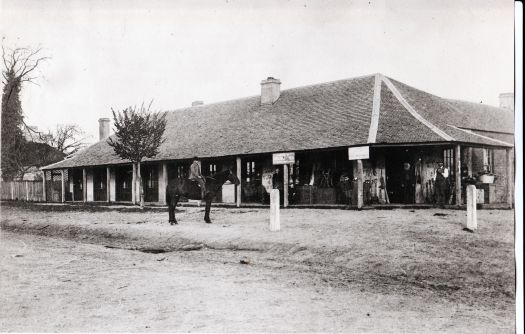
232 178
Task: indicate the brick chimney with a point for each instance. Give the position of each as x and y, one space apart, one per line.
103 128
270 90
506 101
197 103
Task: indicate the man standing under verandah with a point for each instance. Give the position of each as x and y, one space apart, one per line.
440 184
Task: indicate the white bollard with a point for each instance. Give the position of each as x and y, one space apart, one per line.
472 217
275 219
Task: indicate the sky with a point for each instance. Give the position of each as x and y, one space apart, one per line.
113 54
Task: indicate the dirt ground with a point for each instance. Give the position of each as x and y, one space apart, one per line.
326 270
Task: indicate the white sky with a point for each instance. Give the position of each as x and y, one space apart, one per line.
119 53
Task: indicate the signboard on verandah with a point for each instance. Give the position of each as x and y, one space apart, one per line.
359 153
283 158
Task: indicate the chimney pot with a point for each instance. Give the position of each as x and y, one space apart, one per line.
103 128
197 103
506 101
270 90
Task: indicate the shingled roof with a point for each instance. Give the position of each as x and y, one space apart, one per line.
366 110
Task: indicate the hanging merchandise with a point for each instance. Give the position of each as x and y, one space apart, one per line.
418 169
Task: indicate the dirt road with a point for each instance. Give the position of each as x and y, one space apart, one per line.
368 283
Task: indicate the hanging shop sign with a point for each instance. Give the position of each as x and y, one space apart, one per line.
359 153
283 158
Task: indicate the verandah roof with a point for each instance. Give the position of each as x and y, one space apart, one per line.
366 110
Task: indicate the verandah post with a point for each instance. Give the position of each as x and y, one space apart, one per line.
134 185
510 178
108 178
285 185
163 183
457 174
63 186
239 189
140 186
84 185
359 183
44 195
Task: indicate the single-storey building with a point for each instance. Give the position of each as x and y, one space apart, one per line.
362 141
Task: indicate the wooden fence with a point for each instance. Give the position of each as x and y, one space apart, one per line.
32 191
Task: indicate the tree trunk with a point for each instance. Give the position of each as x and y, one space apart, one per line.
141 189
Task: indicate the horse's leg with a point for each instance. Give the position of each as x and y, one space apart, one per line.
172 205
208 206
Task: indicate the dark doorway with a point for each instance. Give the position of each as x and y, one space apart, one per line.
124 178
78 193
100 184
150 182
252 170
400 180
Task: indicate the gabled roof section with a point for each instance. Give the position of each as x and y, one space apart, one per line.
366 110
463 114
398 125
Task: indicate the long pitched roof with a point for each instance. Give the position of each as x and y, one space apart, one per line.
371 110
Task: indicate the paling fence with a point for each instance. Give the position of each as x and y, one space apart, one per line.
32 191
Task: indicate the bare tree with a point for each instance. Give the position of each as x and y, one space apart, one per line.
68 138
18 66
138 135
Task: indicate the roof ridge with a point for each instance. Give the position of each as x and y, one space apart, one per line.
413 111
284 90
447 99
376 109
482 136
331 82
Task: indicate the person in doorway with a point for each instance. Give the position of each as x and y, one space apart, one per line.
440 184
407 184
277 179
195 175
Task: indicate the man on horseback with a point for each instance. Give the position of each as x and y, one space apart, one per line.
195 175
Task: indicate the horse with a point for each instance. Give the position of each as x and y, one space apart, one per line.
182 187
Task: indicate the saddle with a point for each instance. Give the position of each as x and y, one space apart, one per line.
194 189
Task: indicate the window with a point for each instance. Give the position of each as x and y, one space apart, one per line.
213 168
250 170
180 171
448 160
488 159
